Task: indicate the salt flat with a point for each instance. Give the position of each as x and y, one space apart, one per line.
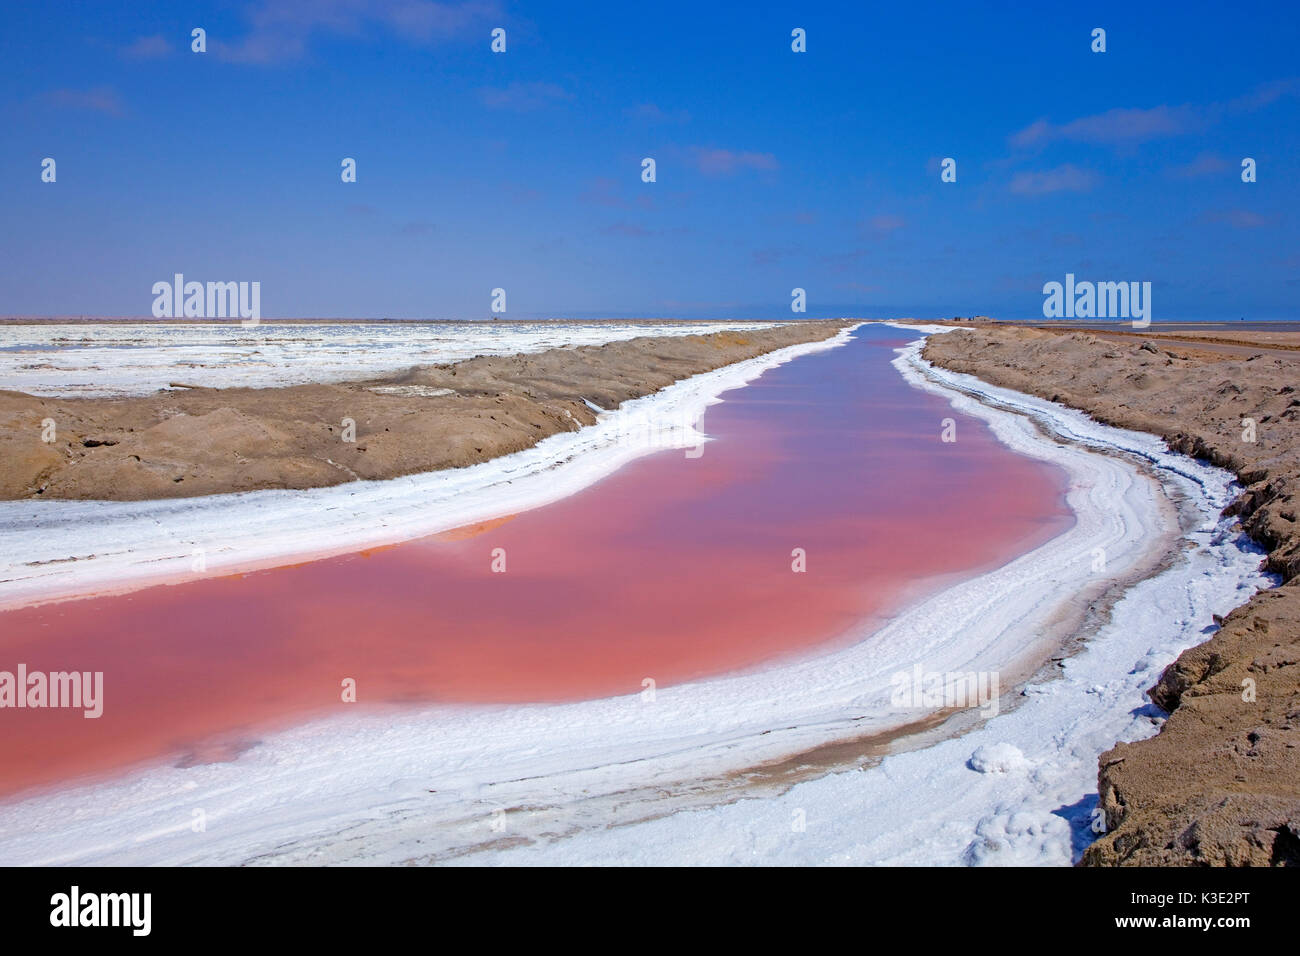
101 360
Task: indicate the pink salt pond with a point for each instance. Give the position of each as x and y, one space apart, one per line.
674 568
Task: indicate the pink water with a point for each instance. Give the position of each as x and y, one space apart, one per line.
674 568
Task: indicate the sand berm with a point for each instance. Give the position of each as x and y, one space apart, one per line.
185 441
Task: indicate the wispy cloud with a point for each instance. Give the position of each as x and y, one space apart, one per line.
609 193
1066 178
771 255
1238 218
414 228
627 230
1266 94
1206 164
838 262
1132 126
99 99
281 30
652 113
1115 127
885 224
523 97
151 47
725 162
603 191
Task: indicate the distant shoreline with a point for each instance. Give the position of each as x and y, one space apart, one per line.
1156 327
148 319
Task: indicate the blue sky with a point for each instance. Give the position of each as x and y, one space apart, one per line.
775 169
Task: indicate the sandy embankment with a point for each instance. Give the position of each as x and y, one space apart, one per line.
1220 784
198 441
